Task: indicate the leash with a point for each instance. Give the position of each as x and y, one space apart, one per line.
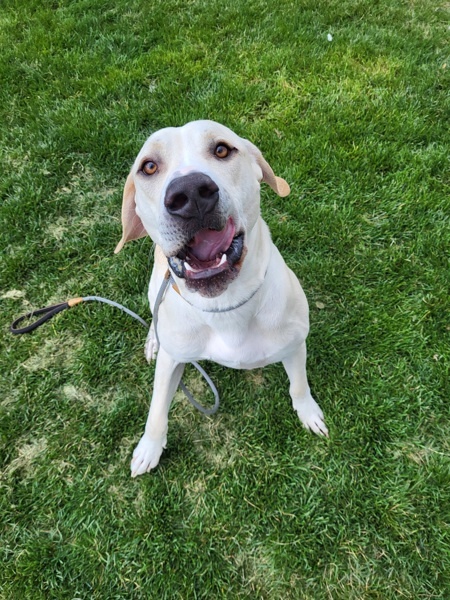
50 311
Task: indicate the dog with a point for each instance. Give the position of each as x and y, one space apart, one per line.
195 190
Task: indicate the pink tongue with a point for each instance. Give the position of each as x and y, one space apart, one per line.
207 243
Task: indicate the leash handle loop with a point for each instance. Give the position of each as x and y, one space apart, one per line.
47 313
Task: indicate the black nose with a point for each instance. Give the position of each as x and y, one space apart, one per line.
191 196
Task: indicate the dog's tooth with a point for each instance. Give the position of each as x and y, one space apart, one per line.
218 263
188 267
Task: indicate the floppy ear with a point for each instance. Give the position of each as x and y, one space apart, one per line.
279 185
132 227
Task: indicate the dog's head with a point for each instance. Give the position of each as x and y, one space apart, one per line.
195 191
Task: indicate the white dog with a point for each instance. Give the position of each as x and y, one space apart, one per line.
195 190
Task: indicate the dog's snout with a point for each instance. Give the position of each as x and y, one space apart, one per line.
191 196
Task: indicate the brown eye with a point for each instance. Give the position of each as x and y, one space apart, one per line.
149 167
221 151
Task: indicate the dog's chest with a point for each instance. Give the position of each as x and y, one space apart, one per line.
239 344
248 347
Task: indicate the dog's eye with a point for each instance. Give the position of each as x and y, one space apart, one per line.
149 167
221 151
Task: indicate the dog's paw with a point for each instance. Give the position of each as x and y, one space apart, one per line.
146 455
151 345
311 415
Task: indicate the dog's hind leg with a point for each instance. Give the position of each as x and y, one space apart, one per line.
167 378
308 410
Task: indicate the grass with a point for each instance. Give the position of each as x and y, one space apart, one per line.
245 504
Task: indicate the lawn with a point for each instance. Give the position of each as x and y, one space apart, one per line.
349 102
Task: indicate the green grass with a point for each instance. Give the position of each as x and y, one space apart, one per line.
244 504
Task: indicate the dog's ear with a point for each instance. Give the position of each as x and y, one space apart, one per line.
132 227
279 185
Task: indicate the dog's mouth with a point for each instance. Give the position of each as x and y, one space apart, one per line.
209 253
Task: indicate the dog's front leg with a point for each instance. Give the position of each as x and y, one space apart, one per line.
308 410
168 373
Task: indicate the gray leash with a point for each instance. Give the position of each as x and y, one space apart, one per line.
117 305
